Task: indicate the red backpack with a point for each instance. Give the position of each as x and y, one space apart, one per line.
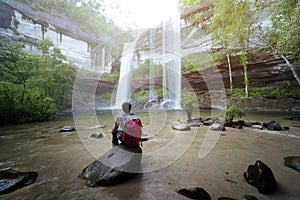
131 130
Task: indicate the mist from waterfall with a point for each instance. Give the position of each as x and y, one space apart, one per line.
168 54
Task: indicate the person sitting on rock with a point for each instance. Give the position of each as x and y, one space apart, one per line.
127 128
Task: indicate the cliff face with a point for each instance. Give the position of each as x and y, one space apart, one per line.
20 22
263 70
58 22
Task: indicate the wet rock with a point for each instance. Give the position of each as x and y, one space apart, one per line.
115 166
257 127
256 123
237 126
274 127
67 129
285 128
293 118
97 135
210 120
11 180
195 122
217 127
194 193
250 197
292 162
225 198
267 123
247 124
261 176
181 126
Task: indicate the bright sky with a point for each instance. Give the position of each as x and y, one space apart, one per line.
140 13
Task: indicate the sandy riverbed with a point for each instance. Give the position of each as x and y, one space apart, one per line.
59 159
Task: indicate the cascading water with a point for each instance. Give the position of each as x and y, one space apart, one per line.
152 92
171 63
170 59
124 84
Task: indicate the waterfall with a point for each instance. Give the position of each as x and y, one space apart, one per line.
169 57
171 71
124 84
152 92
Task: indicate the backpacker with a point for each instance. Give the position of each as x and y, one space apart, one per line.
131 130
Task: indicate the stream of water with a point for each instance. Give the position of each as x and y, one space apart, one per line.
59 157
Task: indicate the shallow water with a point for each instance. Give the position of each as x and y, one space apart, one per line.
59 157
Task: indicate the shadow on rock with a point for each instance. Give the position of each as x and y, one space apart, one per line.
194 193
117 165
11 180
292 162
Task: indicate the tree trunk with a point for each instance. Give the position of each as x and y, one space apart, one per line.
189 115
229 69
292 68
246 80
23 93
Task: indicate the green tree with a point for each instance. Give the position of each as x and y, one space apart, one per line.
17 66
189 101
187 3
283 36
88 15
55 76
31 84
234 111
222 25
244 26
44 46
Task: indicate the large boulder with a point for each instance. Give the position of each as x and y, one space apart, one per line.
117 165
11 180
181 126
272 125
194 193
210 120
217 127
292 162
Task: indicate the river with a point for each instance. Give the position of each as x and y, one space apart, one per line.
59 157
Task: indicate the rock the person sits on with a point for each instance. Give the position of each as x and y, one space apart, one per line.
122 162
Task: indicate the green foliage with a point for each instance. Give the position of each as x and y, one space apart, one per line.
278 89
105 98
187 3
222 23
45 45
143 71
32 86
88 16
189 101
198 61
284 33
113 76
237 93
187 66
35 106
234 111
141 95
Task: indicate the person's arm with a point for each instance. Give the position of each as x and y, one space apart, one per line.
115 127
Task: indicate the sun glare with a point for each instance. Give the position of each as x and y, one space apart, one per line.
140 13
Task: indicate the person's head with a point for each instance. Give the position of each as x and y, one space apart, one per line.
126 106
